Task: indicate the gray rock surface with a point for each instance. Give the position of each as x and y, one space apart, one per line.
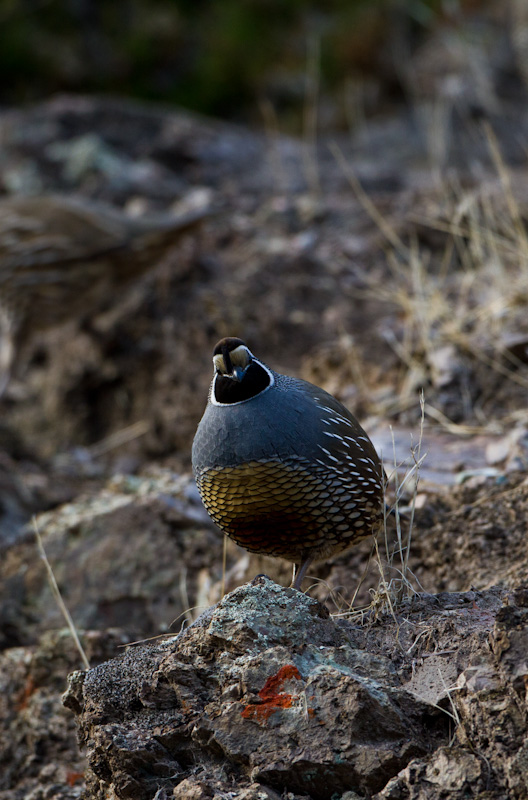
266 693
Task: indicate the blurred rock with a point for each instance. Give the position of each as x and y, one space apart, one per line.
64 258
132 556
38 752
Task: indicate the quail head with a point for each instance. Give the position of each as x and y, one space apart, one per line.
282 467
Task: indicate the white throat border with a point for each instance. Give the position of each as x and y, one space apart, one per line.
215 402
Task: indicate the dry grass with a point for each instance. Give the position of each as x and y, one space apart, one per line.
402 586
58 597
457 311
396 579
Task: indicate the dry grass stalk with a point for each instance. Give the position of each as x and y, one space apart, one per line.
392 590
58 597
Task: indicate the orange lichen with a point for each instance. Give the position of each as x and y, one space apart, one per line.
74 777
272 695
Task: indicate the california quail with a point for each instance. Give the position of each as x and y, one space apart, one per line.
282 467
65 257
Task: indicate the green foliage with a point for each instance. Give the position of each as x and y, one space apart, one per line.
215 56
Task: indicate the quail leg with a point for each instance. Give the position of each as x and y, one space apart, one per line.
299 572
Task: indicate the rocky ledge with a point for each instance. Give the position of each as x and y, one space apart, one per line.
267 695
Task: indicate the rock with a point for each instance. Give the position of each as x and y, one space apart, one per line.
450 773
452 769
479 540
65 258
132 556
266 692
265 686
38 753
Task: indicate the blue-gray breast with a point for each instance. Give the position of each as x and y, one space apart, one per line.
282 467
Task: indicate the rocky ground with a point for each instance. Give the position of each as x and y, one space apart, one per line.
267 693
372 267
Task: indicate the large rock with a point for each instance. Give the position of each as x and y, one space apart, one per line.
266 691
266 688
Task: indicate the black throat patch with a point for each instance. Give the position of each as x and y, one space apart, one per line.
228 390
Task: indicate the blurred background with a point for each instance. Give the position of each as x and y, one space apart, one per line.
226 58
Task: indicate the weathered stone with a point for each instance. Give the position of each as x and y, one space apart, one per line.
38 753
130 557
265 683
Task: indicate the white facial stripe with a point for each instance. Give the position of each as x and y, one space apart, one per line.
241 356
218 362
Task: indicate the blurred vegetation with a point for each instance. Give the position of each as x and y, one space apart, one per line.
220 57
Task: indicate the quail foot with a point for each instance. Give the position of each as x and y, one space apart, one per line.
282 467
